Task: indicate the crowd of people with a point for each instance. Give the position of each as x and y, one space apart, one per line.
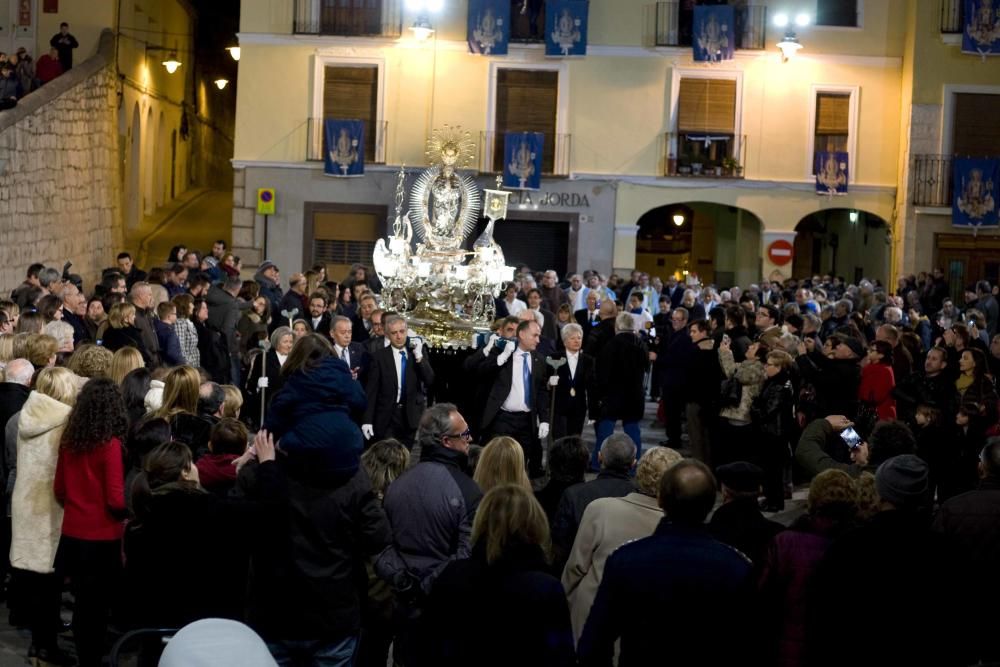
183 444
20 74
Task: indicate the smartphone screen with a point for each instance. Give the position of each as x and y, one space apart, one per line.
850 437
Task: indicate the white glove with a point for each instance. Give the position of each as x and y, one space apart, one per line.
367 431
418 348
262 382
590 422
543 430
554 381
508 352
490 344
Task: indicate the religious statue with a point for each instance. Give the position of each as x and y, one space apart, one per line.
345 151
488 32
444 205
984 24
522 163
976 199
567 32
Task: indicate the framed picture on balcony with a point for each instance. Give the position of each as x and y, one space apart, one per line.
975 195
713 33
981 28
489 27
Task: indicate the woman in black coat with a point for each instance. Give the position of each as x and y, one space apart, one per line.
773 415
177 525
266 364
122 332
503 585
620 369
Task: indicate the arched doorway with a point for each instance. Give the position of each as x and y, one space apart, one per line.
844 242
133 196
713 243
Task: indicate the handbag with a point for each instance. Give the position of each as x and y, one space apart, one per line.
730 393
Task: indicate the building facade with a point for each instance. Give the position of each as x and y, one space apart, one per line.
639 135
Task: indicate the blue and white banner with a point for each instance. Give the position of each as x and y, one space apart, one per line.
344 147
713 33
522 160
975 192
831 173
566 27
489 27
981 27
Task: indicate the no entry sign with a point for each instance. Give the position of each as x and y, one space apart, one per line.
780 252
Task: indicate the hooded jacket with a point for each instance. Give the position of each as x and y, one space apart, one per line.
36 516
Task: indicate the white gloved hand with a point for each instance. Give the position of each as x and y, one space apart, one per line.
554 381
262 382
590 422
543 430
490 344
508 352
367 431
418 348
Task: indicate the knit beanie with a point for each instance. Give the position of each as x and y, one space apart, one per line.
903 481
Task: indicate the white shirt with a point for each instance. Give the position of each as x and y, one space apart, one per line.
314 322
399 372
281 358
343 353
515 399
516 306
639 320
572 359
576 297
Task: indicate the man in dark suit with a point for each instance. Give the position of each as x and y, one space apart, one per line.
518 403
604 331
378 338
367 304
319 319
673 291
549 328
587 317
672 365
354 354
620 369
398 380
576 393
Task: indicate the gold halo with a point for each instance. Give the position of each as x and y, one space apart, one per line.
451 144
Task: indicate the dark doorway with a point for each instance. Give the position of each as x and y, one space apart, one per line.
541 244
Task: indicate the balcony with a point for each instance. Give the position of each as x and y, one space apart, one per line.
349 18
527 21
703 155
374 144
952 16
670 26
555 154
932 180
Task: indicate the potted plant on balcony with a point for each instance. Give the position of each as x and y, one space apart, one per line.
730 167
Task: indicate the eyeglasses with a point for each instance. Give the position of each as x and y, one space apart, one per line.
465 435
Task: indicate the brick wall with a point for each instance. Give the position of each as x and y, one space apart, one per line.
60 186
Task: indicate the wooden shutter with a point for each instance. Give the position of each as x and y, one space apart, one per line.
352 93
975 126
527 101
833 113
707 105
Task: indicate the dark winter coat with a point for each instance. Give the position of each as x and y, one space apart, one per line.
836 382
515 593
127 336
311 415
620 370
740 524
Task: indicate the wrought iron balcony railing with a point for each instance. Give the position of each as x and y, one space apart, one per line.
703 155
374 143
671 25
352 18
555 153
932 180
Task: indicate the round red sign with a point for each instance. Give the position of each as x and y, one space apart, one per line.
780 252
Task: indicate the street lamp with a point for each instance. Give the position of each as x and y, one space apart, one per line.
678 219
221 83
234 51
790 44
422 28
171 63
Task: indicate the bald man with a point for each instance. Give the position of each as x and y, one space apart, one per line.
604 330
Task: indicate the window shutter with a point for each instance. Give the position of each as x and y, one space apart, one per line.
707 105
976 131
352 93
833 111
527 101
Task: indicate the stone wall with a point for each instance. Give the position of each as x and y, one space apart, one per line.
59 179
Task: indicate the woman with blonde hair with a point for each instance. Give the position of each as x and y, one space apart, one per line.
124 361
607 524
6 347
41 350
505 583
501 462
233 402
122 332
36 516
91 361
180 409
